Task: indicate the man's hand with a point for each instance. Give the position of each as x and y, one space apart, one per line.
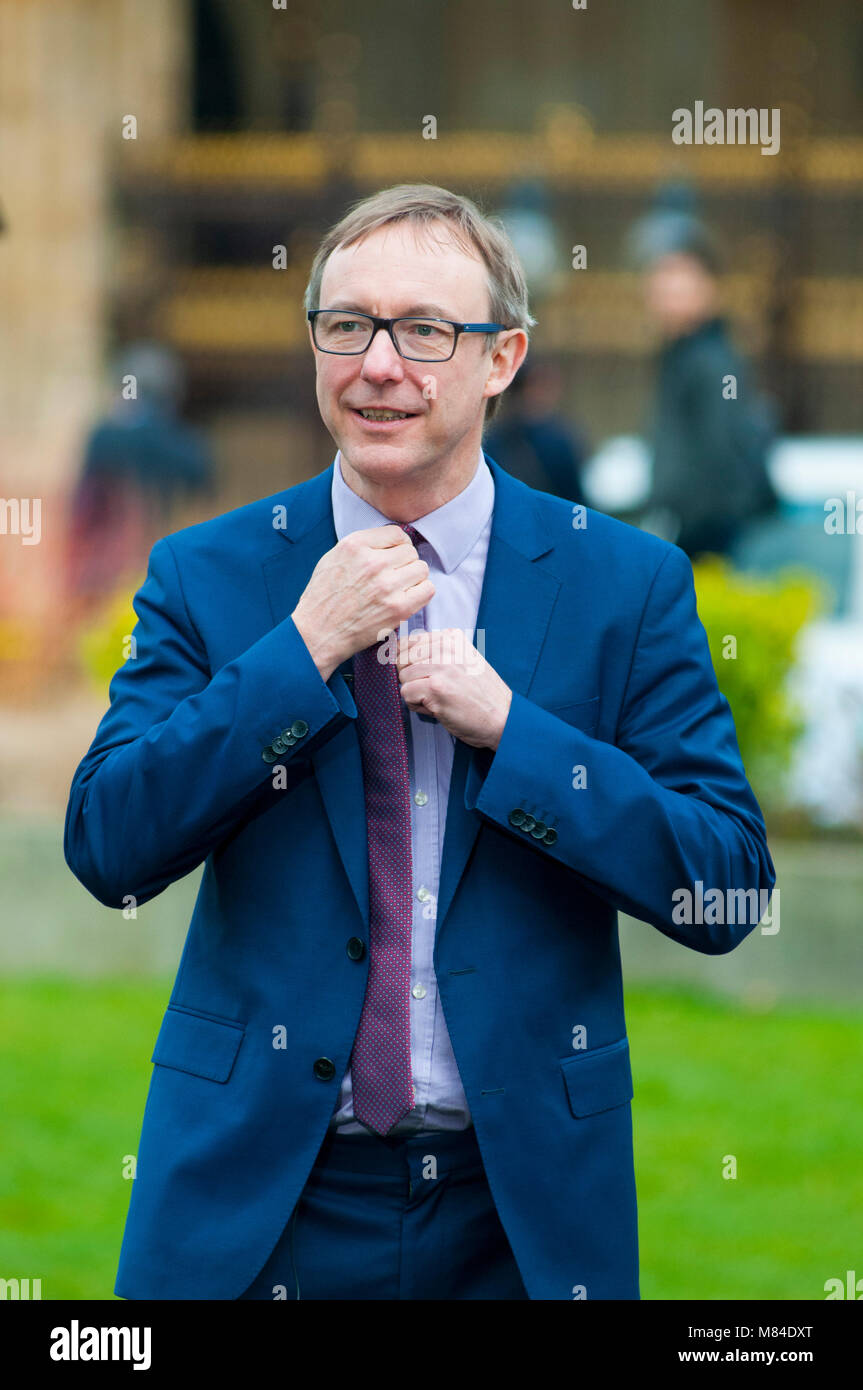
360 591
443 674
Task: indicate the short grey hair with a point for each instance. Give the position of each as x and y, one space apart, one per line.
477 232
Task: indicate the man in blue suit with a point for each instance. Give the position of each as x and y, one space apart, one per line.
428 730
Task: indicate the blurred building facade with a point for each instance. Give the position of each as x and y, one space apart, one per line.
158 152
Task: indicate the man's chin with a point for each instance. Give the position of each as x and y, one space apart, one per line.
382 463
384 452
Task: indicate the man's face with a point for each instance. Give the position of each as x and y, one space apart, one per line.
680 293
402 270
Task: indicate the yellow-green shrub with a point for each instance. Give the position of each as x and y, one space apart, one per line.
103 642
752 623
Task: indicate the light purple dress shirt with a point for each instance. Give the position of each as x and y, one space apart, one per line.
455 549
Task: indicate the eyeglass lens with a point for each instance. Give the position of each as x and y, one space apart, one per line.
426 340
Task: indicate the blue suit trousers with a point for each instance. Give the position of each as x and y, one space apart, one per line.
399 1218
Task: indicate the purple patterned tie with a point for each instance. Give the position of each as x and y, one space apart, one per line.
381 1079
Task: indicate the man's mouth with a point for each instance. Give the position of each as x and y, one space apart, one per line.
372 413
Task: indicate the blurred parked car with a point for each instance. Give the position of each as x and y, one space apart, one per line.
819 481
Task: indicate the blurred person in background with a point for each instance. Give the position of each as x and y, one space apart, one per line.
710 434
140 462
534 441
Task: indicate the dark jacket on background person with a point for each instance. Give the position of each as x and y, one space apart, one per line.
540 453
137 468
709 451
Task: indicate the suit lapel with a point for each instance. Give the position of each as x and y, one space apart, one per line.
514 611
310 533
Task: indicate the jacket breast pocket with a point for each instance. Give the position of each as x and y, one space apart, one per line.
201 1046
598 1079
583 714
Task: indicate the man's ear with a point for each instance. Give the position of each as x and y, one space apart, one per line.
507 356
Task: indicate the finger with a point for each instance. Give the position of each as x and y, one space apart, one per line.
415 694
416 646
385 537
407 555
417 670
420 593
414 572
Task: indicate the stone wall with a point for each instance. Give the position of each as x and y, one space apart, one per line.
69 74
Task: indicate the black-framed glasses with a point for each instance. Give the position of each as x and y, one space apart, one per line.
418 339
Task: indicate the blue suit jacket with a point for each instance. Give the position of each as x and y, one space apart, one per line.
597 634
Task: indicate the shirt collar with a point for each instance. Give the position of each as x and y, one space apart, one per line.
451 530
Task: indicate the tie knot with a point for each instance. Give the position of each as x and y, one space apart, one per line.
411 532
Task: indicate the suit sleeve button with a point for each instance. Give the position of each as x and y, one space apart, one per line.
269 755
299 728
356 948
324 1069
516 817
550 836
528 823
538 830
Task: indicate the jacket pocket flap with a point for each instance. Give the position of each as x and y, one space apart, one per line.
598 1079
583 714
189 1042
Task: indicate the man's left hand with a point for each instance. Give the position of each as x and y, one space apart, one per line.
442 673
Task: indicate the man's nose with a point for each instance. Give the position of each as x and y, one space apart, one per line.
380 360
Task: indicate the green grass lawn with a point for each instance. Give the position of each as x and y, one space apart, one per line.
781 1091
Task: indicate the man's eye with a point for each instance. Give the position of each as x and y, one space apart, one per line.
425 330
347 325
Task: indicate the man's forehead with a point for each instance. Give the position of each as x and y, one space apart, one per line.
402 257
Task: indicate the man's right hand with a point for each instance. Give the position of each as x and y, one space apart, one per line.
359 591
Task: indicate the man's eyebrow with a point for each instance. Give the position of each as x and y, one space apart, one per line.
413 311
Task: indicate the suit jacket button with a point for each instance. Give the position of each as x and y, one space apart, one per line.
269 755
279 744
538 830
528 823
356 948
324 1069
516 817
299 728
550 836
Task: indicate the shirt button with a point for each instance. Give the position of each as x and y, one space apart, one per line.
423 894
419 991
421 798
